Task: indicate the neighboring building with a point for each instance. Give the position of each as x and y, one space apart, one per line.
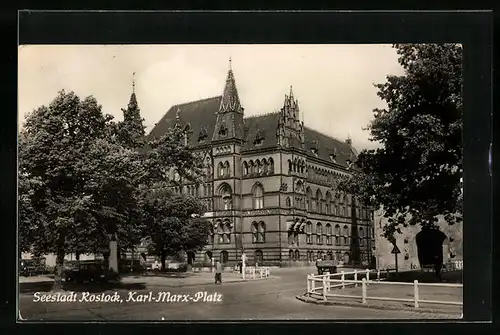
268 189
408 258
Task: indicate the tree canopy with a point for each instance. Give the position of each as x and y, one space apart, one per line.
84 178
415 174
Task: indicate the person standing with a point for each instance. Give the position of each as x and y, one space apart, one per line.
218 273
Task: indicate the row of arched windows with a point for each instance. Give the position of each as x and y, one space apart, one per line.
322 176
258 168
225 196
297 165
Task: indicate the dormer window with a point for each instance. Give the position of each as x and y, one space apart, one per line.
259 139
223 130
202 135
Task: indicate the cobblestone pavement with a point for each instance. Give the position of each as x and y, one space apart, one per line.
273 299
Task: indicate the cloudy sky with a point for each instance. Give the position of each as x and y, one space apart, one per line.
334 83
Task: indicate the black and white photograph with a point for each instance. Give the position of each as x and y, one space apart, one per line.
203 182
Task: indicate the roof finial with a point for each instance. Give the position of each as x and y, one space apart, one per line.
291 93
133 82
230 66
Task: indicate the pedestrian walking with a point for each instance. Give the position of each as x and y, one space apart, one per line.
218 273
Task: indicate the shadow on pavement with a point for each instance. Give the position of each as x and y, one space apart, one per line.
162 275
451 277
88 287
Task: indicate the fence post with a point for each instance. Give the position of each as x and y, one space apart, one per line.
308 285
313 283
355 277
367 275
343 278
415 292
329 283
253 273
378 274
324 288
260 273
363 290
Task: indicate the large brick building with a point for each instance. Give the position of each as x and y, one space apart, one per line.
268 185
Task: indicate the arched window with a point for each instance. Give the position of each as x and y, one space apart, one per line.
337 230
262 232
254 232
309 233
319 197
271 166
266 166
295 165
259 256
337 240
259 167
319 233
289 166
308 198
251 166
328 234
346 230
288 202
220 170
225 194
291 254
227 232
328 200
224 257
220 231
297 255
226 169
258 197
245 169
291 239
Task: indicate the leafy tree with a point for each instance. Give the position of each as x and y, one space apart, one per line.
172 223
131 131
416 173
77 181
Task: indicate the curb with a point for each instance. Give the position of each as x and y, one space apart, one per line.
372 306
211 283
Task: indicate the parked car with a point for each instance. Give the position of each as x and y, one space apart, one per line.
89 271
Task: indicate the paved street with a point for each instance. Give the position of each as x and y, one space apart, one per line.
269 299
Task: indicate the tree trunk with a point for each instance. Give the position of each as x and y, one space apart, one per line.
163 257
59 269
77 256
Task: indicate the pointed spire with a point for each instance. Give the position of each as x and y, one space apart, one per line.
133 82
291 93
230 100
133 99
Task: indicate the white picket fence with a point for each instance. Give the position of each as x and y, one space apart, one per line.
328 281
259 272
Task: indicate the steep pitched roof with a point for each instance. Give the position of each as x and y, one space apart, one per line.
327 146
261 127
200 115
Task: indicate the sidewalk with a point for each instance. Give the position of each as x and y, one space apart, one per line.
179 279
454 294
187 279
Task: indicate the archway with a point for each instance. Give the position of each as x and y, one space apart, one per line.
190 257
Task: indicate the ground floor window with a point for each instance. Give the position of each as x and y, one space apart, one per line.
224 257
259 256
